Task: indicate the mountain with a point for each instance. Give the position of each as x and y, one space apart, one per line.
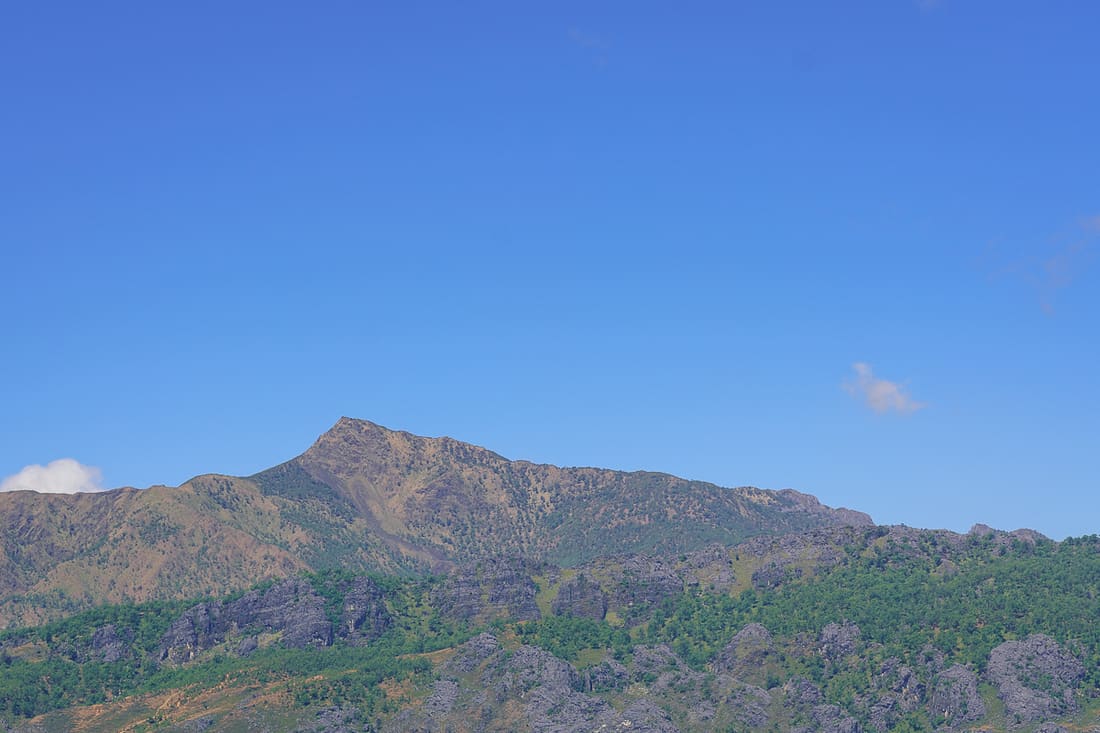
362 497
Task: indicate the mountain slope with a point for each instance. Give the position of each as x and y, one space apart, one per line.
460 501
361 497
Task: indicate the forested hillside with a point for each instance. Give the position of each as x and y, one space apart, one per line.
845 629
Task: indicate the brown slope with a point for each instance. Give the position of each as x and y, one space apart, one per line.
212 535
361 497
461 502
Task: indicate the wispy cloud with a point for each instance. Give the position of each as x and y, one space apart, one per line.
590 42
63 476
1050 272
584 39
881 395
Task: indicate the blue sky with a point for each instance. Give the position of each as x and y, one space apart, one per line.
633 235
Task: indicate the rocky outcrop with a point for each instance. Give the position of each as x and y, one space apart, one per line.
747 704
1035 678
108 645
746 655
839 640
291 609
526 668
832 719
364 616
646 580
472 654
897 691
955 699
199 628
501 588
581 597
344 719
606 676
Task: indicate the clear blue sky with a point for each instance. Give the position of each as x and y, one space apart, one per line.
633 235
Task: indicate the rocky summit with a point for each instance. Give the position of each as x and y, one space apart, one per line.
365 498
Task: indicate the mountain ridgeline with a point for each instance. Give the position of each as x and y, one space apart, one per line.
363 498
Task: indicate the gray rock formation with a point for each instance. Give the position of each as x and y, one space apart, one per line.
501 588
364 616
606 676
291 608
473 653
1035 678
646 580
746 655
955 699
748 705
581 597
897 691
839 640
831 719
108 645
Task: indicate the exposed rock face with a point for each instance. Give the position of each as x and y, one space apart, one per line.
639 717
471 654
1035 678
345 719
955 699
839 640
500 588
530 667
746 654
364 617
442 700
774 574
800 692
108 646
530 689
831 719
581 597
898 691
198 628
646 580
650 661
290 607
748 705
605 676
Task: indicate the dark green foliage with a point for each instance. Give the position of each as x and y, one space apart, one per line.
291 481
566 636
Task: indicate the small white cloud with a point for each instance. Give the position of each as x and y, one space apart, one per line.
880 395
63 476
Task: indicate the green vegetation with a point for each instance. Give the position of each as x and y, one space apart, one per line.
911 601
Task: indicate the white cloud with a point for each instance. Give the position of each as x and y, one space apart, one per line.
63 476
880 395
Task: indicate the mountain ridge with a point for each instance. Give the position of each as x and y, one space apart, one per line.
362 497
